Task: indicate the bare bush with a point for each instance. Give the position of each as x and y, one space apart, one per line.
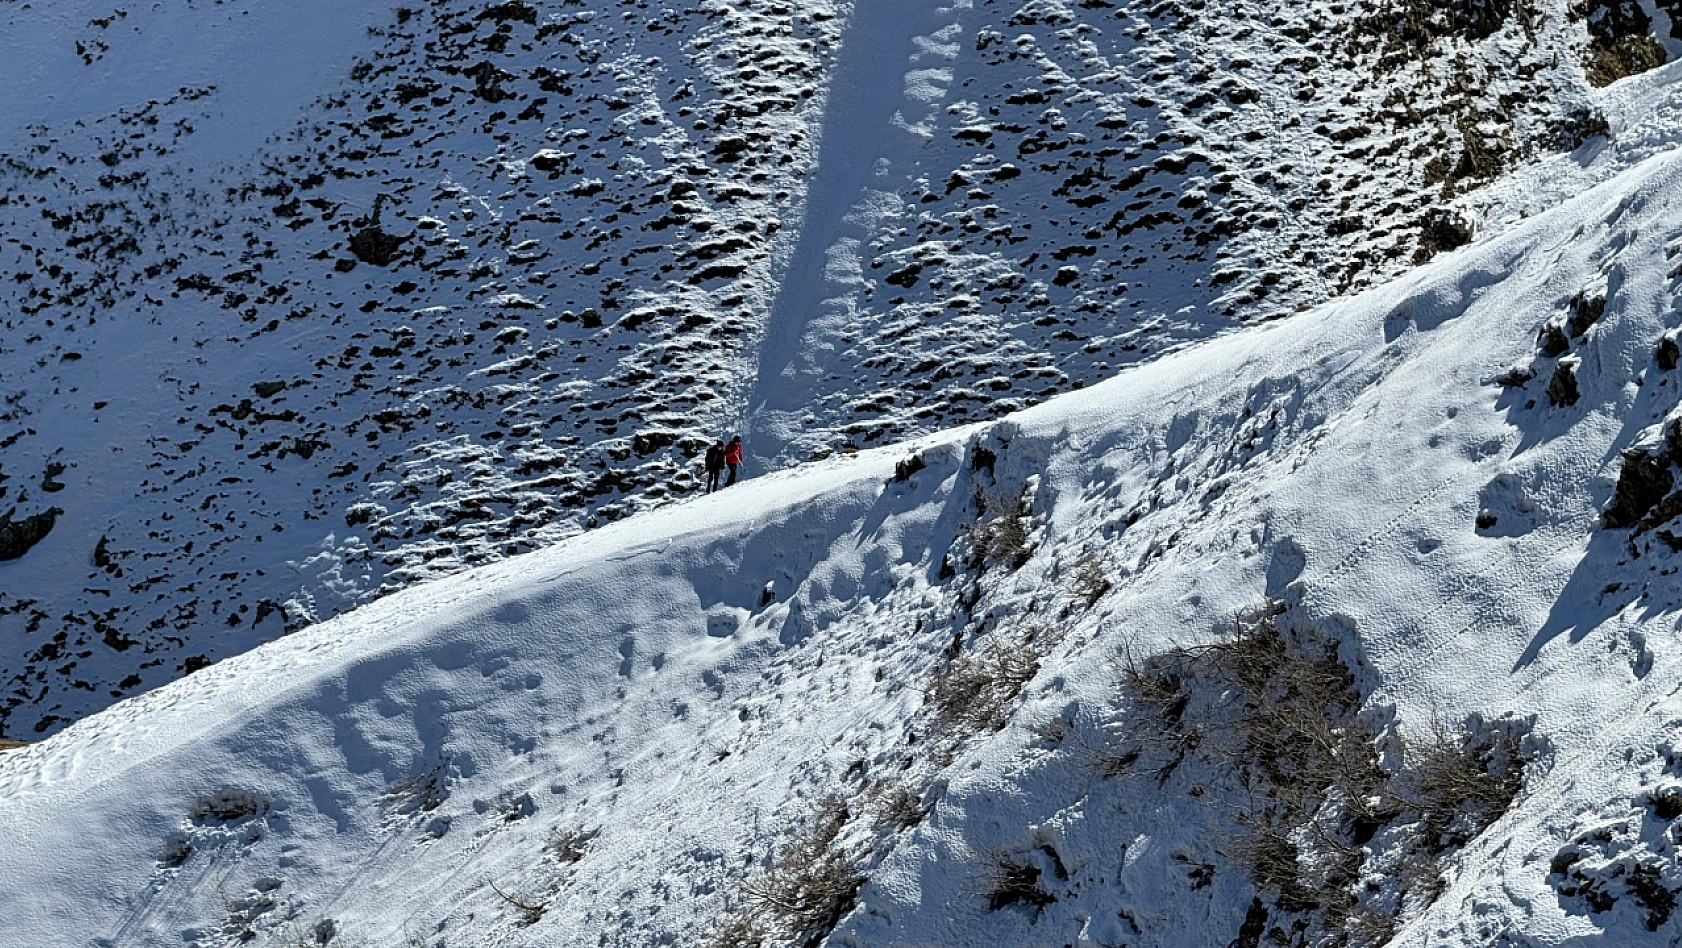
1276 707
568 844
1091 581
418 793
1155 685
737 930
324 932
529 907
974 692
811 883
1016 883
1003 536
1470 774
899 808
1273 860
1053 730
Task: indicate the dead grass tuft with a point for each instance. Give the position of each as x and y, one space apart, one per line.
974 692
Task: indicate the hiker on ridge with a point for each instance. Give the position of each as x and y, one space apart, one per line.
733 457
715 464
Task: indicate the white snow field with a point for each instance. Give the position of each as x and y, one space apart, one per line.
303 303
825 704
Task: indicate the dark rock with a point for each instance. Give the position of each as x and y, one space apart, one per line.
17 537
49 481
1562 389
906 276
1254 926
374 246
488 81
1553 342
1642 484
514 10
1585 311
1580 125
1441 230
1666 805
1667 353
904 469
268 389
649 442
1621 41
1516 377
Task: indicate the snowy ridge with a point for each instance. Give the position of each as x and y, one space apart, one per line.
629 732
304 304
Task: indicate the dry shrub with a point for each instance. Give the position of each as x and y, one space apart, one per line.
1463 779
1002 536
974 692
899 808
1273 860
325 931
530 907
1278 710
808 887
568 844
1016 883
227 806
737 930
1091 581
1155 686
418 793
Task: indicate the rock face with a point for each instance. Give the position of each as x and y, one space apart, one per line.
18 537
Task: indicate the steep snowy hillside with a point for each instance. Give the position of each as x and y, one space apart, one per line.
1358 628
304 303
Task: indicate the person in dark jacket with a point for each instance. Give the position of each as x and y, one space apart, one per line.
733 457
715 464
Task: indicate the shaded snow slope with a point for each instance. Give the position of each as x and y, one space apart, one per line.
634 731
302 304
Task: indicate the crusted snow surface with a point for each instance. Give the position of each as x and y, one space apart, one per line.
624 738
305 303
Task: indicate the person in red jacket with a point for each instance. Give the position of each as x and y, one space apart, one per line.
733 457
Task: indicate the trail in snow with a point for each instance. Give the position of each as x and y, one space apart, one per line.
876 68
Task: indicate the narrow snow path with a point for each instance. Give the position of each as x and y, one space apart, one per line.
877 70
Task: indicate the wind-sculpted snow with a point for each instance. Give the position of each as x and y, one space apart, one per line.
915 684
300 313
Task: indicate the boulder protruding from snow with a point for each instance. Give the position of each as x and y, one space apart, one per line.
18 537
373 245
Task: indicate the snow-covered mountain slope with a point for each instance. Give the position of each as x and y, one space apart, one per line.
984 688
243 391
